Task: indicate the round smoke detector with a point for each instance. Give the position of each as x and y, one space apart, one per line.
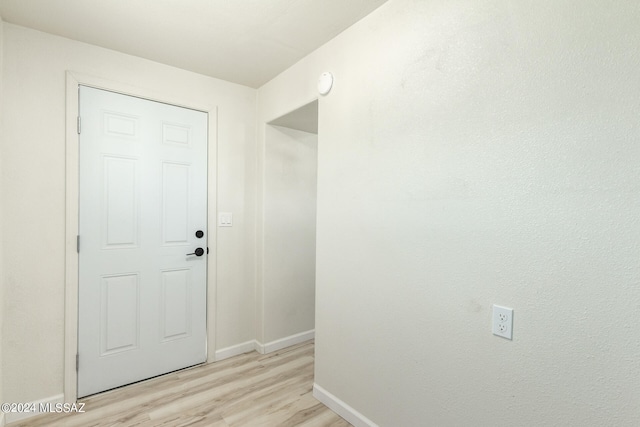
324 83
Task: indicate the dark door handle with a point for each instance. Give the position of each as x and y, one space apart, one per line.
198 252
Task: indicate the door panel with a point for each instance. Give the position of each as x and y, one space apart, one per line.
120 313
143 196
120 216
175 203
176 287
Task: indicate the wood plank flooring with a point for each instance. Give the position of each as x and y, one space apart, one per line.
247 390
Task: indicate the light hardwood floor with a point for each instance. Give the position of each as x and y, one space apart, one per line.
247 390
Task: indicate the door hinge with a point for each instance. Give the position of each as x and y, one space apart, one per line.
79 125
78 244
77 361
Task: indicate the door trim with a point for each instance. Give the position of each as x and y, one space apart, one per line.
73 81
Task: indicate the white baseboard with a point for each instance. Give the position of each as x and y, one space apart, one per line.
235 350
269 347
1 419
12 417
285 342
341 408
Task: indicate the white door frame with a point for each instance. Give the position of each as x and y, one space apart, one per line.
74 80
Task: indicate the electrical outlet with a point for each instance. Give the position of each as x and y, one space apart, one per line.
502 321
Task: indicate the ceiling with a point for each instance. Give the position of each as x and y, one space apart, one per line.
242 41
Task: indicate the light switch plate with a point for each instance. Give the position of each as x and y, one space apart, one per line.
225 219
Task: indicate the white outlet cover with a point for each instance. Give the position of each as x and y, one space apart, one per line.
502 321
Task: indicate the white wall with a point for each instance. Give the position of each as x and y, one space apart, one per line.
289 243
33 196
2 309
470 153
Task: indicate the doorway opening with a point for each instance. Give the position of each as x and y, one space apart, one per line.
290 194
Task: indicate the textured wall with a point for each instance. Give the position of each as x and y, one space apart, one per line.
471 153
33 196
291 159
2 309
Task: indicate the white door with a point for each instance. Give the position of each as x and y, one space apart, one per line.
143 216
